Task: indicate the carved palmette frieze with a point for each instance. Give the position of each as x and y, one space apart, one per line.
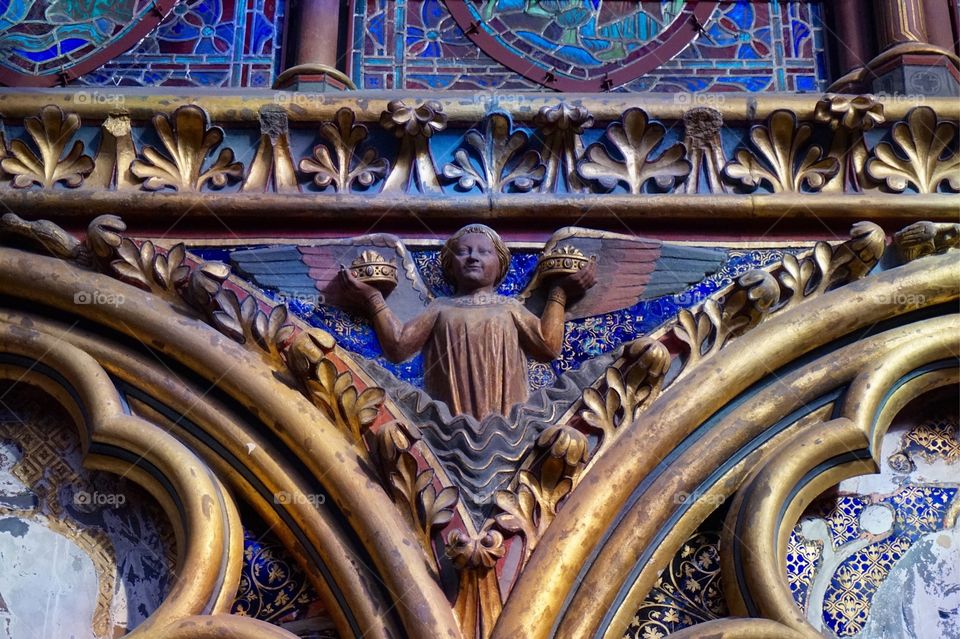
782 157
52 132
188 139
928 156
845 144
339 163
637 140
504 160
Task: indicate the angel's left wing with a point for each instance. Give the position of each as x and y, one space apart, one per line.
629 269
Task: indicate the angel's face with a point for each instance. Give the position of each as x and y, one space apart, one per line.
475 263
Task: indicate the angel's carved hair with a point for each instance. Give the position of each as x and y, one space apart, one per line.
446 253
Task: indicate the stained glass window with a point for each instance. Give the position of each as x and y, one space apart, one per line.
205 43
741 46
51 37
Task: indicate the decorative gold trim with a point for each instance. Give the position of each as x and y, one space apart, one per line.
318 208
460 106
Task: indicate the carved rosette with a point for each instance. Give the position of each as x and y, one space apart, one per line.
561 128
414 126
849 118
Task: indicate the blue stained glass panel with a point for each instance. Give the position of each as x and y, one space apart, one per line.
780 40
204 43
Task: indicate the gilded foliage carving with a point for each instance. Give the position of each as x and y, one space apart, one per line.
145 268
346 166
560 127
413 490
826 266
849 117
531 506
782 158
929 154
104 235
707 330
244 321
51 132
188 139
414 126
636 139
503 161
630 387
332 391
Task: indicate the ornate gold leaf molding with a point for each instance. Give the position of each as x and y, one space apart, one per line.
52 131
782 158
637 139
496 147
188 140
926 141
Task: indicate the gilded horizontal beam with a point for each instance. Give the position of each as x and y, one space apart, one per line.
460 106
142 206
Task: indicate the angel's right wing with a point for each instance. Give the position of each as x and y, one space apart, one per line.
629 269
312 272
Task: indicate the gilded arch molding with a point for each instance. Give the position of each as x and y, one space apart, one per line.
205 517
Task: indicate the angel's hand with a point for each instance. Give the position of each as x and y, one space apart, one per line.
918 233
357 292
576 284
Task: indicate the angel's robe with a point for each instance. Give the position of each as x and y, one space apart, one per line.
474 359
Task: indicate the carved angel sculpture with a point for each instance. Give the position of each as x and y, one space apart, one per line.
475 343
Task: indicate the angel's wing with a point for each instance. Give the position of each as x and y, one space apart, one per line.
629 269
309 271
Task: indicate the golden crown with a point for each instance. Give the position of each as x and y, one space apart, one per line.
372 268
562 260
